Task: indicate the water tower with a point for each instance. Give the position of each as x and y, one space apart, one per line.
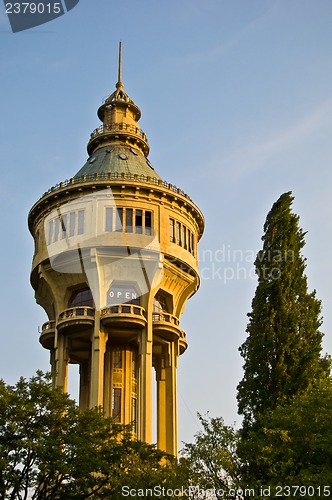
115 262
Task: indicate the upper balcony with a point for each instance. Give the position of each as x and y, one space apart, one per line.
167 327
47 335
80 320
119 127
73 319
124 316
121 131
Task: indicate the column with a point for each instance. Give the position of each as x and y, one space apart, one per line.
98 350
161 402
84 385
145 385
61 360
171 399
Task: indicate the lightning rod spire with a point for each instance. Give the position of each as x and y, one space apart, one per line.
120 65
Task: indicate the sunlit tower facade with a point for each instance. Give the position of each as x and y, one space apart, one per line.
115 261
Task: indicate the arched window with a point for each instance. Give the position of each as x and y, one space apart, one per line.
82 297
159 304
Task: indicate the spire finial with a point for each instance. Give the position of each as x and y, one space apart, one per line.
120 84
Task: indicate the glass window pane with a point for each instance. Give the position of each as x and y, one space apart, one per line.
189 240
171 230
50 232
178 233
134 364
116 404
109 219
148 222
72 223
118 219
81 298
57 228
64 226
80 229
184 236
129 220
133 413
117 359
139 221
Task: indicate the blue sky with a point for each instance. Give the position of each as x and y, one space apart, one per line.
236 101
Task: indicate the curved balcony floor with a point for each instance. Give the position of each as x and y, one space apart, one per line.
47 335
76 320
123 316
166 326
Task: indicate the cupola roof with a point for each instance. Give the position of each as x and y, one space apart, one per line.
118 144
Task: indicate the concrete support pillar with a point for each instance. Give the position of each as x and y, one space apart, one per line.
107 384
98 350
171 398
61 360
145 385
84 385
161 402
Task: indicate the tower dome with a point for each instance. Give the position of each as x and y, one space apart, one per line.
115 262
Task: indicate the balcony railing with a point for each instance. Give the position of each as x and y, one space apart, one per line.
77 312
116 176
118 127
47 335
47 327
166 317
123 309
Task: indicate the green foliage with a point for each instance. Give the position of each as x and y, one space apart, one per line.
292 445
49 449
212 460
282 350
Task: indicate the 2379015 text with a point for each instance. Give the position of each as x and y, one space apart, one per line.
33 8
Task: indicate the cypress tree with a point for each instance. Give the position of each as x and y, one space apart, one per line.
282 353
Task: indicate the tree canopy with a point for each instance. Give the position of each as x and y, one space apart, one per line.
293 444
212 461
282 353
49 449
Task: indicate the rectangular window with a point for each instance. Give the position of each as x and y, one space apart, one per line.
184 237
80 226
129 220
148 222
109 220
171 230
64 226
178 233
117 359
133 364
133 413
116 404
50 232
118 219
56 229
139 221
72 223
189 240
192 244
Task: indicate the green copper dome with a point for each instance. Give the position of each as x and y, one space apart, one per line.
118 146
118 158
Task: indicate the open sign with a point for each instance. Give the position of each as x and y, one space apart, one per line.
122 294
